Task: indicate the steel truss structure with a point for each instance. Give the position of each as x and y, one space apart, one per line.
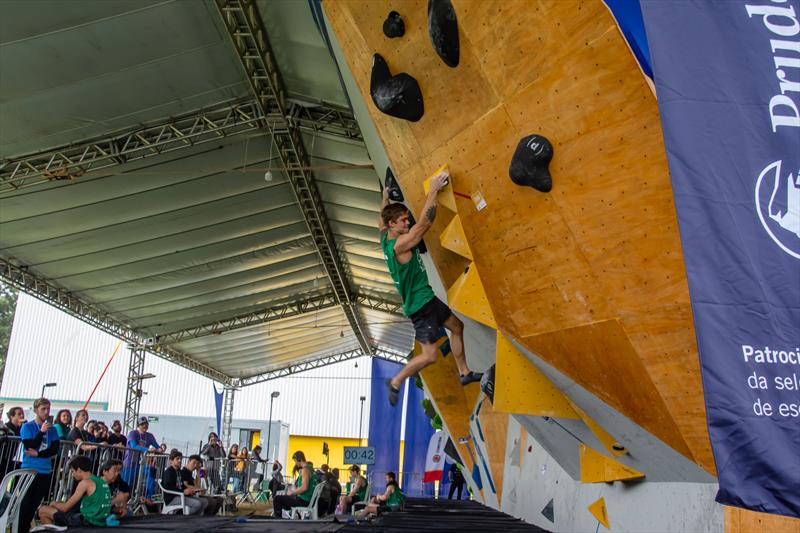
286 310
133 391
141 142
272 111
20 278
323 361
249 37
227 415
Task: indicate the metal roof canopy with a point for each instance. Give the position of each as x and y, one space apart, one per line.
165 232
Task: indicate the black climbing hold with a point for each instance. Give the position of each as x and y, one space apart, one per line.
391 185
530 161
397 96
394 26
548 513
443 29
487 383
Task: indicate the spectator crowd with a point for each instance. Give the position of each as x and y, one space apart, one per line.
103 469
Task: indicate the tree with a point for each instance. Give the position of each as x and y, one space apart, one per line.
8 304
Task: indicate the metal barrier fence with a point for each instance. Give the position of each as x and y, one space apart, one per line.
235 480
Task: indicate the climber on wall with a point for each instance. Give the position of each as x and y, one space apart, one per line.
426 311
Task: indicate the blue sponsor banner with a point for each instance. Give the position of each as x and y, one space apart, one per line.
727 77
384 423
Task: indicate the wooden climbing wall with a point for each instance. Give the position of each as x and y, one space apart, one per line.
589 276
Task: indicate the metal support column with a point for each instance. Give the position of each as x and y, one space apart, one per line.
227 415
133 394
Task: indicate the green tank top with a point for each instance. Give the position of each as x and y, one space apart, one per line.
97 507
361 494
396 498
312 481
410 278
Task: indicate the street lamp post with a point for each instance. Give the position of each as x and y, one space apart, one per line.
361 419
45 386
272 397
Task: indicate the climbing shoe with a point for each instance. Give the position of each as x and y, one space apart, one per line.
472 377
394 394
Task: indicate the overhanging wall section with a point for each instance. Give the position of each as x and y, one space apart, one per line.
590 276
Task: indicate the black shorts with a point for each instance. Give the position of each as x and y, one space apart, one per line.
69 519
429 319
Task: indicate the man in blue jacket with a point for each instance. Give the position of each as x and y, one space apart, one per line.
40 442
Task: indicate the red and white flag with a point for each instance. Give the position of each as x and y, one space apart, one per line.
434 460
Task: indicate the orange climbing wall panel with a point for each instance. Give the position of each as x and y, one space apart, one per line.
744 521
495 431
453 402
593 269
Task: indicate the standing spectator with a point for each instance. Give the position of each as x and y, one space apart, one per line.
172 481
78 434
40 442
116 438
213 452
63 423
16 417
213 504
233 461
456 481
141 440
242 470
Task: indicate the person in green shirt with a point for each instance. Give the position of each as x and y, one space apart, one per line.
300 495
391 500
91 492
399 242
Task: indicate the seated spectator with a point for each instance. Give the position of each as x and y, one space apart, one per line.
120 491
391 500
334 488
116 438
276 481
358 490
91 493
16 417
300 495
189 480
172 480
63 424
322 472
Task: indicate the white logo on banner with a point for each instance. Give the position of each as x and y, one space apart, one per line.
778 205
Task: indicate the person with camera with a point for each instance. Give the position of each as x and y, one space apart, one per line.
40 442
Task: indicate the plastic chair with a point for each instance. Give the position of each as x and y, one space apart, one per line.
359 506
22 480
311 511
169 508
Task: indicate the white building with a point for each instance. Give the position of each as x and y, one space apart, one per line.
48 345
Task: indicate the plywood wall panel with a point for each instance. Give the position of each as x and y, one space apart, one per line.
744 521
603 246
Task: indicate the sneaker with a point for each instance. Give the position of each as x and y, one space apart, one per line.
472 377
394 394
